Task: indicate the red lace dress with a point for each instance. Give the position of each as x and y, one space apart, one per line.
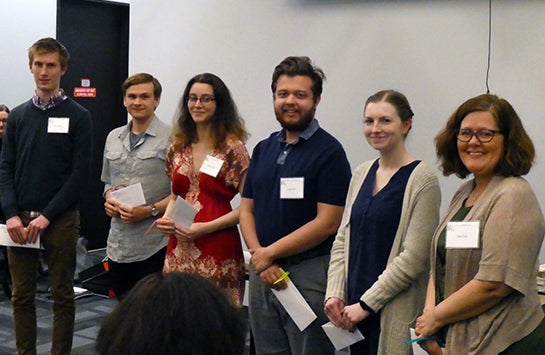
217 256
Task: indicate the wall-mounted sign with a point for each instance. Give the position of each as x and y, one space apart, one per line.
85 90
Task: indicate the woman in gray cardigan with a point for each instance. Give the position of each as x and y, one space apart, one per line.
482 296
379 260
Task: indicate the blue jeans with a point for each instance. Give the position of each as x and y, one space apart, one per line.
273 330
59 240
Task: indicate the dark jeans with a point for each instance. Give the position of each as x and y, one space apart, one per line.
59 240
123 276
273 329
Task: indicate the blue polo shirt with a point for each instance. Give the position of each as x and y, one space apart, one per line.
318 158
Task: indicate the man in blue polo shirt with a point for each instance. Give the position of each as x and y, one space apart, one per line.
291 207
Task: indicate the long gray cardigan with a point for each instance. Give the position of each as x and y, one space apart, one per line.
400 290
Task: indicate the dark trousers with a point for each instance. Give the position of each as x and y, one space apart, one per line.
370 329
123 276
531 344
59 241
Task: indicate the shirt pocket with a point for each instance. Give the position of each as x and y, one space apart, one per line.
114 161
150 154
150 164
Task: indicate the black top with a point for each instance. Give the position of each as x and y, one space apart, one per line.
373 225
41 171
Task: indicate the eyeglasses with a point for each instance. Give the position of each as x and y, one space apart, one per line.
3 120
483 135
203 99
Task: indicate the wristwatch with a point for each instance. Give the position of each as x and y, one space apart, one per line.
154 210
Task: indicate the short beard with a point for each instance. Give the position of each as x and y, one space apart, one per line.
298 126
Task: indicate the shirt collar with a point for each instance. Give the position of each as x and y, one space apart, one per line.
53 101
150 131
306 134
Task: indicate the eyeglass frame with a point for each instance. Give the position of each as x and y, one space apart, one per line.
204 100
476 134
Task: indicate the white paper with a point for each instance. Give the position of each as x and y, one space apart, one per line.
341 338
132 195
296 306
417 350
462 235
6 240
211 166
183 213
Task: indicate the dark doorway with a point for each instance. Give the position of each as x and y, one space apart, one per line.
96 34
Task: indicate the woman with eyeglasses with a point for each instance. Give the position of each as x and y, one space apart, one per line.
207 163
482 296
379 261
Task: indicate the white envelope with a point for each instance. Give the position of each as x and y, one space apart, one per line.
183 213
341 338
132 195
6 240
417 350
296 306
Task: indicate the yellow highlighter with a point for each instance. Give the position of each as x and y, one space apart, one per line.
282 277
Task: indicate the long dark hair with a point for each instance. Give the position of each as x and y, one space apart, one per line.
226 119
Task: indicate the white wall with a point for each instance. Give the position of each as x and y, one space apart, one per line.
23 22
433 51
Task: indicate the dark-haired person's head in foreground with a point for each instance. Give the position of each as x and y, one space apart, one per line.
174 313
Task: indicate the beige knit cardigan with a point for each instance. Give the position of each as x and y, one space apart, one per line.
400 290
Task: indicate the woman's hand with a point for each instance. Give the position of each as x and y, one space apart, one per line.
354 314
427 324
195 231
333 309
166 226
431 347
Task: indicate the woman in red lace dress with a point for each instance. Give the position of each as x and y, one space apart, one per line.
207 163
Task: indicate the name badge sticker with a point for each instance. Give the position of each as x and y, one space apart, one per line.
462 235
211 166
292 188
58 125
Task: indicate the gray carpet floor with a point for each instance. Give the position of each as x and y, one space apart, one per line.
90 311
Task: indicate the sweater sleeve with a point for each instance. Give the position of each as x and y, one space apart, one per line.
512 235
